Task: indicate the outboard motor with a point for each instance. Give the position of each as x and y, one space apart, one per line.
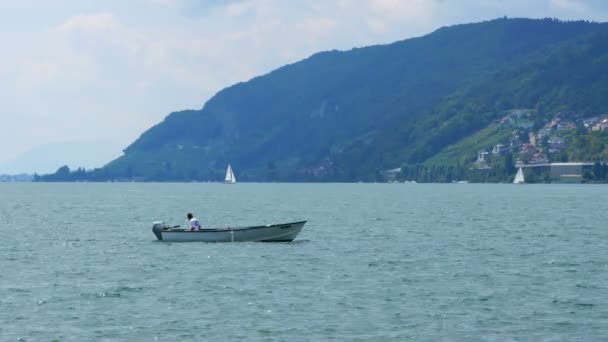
157 227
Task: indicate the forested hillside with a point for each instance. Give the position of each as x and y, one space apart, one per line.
350 115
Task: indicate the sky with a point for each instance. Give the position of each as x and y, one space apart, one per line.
81 73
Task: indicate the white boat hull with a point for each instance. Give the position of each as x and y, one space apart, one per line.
270 233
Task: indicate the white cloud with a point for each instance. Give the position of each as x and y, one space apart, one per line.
317 27
172 3
406 9
237 9
376 25
569 5
91 22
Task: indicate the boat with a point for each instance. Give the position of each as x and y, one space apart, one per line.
229 179
284 232
519 177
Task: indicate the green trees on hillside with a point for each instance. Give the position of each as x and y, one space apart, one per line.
349 115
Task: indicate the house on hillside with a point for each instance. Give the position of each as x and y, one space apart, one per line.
498 149
544 132
519 118
532 138
481 156
516 138
556 145
567 116
588 123
481 162
602 125
507 121
528 149
525 124
566 125
520 113
539 158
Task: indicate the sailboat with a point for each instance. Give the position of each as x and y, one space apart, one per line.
519 177
230 179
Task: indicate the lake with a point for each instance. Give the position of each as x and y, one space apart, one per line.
375 262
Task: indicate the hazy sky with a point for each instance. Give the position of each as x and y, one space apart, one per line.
95 70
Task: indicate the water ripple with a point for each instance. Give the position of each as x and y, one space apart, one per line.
374 263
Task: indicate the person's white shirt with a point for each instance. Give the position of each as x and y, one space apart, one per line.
194 224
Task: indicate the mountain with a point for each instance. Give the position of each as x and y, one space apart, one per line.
348 115
47 158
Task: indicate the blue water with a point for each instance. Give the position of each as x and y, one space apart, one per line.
375 262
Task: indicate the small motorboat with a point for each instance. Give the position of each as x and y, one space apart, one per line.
284 232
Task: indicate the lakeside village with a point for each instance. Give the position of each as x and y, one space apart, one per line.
568 149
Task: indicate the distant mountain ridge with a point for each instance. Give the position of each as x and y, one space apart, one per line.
47 158
348 115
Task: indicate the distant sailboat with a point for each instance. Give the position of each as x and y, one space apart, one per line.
230 179
519 177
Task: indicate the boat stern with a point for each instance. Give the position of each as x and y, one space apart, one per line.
157 227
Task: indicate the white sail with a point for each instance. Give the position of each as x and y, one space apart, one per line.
230 176
519 177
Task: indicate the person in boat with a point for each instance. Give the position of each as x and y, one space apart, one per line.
194 224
